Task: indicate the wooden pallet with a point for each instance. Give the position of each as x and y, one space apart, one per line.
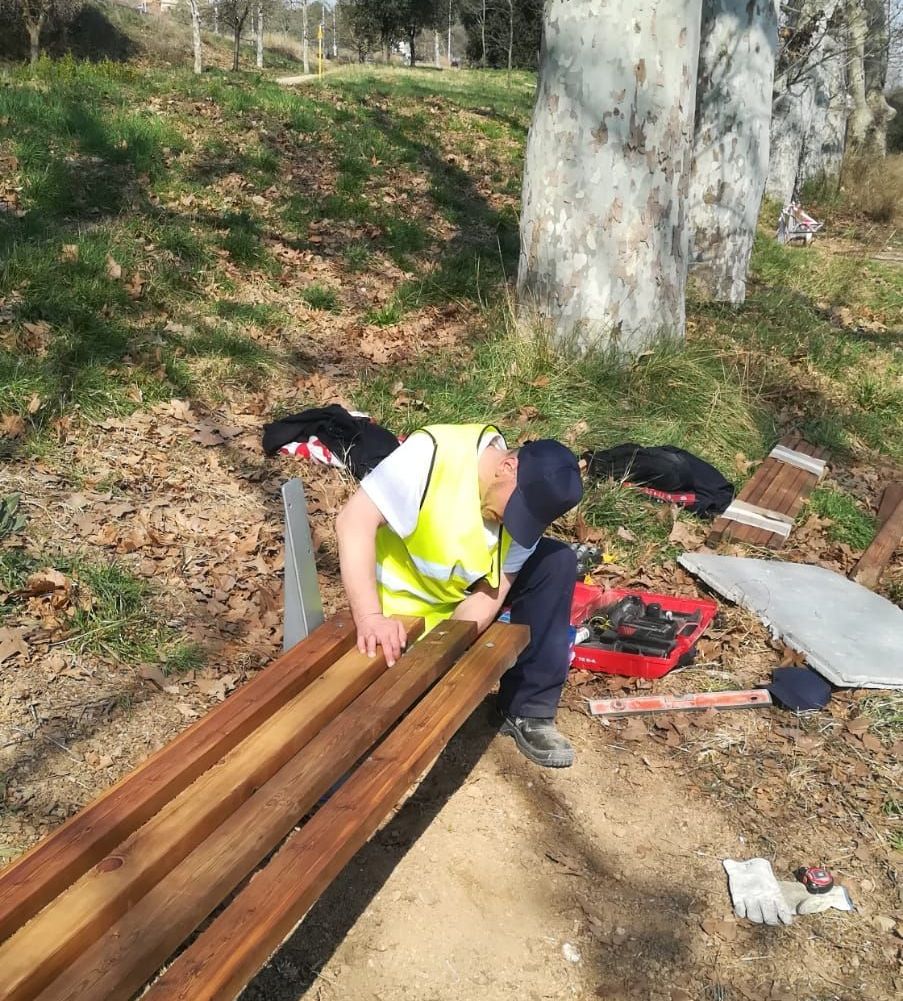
95 910
777 488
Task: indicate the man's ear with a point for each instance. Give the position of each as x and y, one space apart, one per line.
508 465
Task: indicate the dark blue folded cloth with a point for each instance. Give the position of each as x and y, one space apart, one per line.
799 688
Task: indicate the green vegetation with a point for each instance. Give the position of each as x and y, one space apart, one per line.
158 244
850 523
106 607
319 296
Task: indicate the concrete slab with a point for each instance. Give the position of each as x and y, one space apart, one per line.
850 635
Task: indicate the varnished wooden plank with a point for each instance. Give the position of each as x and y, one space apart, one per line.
777 486
873 561
222 960
890 499
32 957
121 961
799 489
59 860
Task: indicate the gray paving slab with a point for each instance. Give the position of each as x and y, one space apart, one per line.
850 635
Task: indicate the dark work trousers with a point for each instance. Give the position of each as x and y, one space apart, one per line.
541 599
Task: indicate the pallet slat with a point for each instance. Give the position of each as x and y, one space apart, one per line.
777 486
40 951
31 882
124 959
228 953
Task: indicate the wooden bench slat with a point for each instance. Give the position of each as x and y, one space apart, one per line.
227 954
124 959
31 882
39 952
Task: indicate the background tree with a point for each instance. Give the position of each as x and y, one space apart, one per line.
305 36
603 259
194 9
505 27
258 33
413 17
731 140
234 14
377 23
36 15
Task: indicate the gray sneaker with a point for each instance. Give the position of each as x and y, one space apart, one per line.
539 740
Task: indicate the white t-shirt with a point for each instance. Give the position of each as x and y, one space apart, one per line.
397 485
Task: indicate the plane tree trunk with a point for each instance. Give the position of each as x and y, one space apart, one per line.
196 35
730 165
604 234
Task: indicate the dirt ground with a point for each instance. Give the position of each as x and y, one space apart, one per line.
499 880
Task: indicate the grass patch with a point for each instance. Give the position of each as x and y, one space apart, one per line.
321 297
109 610
850 524
669 397
386 315
886 715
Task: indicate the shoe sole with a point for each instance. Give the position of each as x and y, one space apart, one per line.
547 759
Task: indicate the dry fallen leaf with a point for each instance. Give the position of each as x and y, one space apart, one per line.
12 643
12 426
69 253
684 535
45 581
114 268
625 534
153 674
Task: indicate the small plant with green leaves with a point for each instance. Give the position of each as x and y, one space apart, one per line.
12 520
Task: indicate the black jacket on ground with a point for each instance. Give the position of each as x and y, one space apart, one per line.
357 441
666 468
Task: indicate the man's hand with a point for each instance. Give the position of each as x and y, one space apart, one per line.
376 630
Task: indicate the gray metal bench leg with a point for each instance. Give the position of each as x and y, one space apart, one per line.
303 610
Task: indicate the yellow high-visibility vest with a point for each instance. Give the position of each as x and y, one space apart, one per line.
430 572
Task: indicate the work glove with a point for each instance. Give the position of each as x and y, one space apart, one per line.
756 893
801 901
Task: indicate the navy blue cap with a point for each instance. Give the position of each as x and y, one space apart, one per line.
548 485
799 688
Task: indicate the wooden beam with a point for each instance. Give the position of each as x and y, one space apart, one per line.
227 954
41 950
890 499
58 861
124 959
873 561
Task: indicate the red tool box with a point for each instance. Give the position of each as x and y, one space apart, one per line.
587 600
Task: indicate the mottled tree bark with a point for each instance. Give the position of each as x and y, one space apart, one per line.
305 37
867 126
825 138
195 11
809 108
260 36
860 115
730 165
604 234
236 46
